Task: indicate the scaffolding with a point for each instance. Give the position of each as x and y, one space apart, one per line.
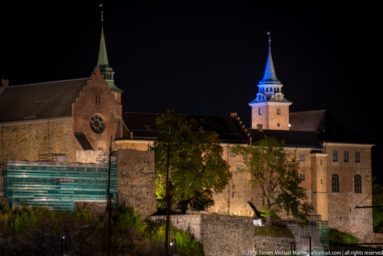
58 186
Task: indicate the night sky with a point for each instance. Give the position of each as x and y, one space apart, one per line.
207 57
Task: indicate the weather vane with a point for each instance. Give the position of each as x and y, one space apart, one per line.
269 36
102 11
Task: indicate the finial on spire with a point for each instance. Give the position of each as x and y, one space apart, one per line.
269 36
102 11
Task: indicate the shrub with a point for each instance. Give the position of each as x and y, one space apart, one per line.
337 237
274 231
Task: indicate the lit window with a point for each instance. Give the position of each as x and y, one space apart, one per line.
357 157
346 156
301 157
358 184
335 156
335 183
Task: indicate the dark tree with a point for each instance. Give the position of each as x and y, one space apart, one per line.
277 175
197 169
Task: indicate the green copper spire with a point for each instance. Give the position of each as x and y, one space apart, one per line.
102 54
102 61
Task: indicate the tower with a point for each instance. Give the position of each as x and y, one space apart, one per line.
102 62
270 109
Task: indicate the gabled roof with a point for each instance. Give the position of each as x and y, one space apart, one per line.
325 125
39 100
143 126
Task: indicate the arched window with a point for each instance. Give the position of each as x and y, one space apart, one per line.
358 184
335 183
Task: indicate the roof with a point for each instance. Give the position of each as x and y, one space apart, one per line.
325 125
39 100
143 126
290 138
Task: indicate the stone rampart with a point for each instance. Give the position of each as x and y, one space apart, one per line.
222 235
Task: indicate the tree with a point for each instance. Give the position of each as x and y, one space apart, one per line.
377 212
197 169
277 175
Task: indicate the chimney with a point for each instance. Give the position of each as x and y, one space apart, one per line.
4 82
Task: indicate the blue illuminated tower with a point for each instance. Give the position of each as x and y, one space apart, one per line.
270 109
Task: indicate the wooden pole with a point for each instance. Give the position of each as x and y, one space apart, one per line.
109 202
167 198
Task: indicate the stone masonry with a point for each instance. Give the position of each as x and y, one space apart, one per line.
136 185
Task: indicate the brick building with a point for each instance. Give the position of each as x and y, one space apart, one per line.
74 121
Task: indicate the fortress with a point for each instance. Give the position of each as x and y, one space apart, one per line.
69 124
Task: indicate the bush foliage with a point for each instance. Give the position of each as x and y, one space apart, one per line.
41 231
273 231
337 237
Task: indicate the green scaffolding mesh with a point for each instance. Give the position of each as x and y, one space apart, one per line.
58 186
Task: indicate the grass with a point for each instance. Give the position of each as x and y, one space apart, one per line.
337 237
273 231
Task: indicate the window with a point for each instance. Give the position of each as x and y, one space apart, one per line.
259 126
259 111
301 157
358 184
345 155
278 111
98 99
357 157
302 175
278 125
335 156
335 183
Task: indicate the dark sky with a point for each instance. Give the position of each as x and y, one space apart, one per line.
207 57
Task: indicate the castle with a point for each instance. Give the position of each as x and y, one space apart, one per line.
75 122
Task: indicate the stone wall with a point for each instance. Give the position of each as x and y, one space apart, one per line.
343 215
31 140
222 235
136 180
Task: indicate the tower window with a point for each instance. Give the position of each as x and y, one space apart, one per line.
346 157
278 111
357 157
259 111
301 157
278 125
259 126
302 176
335 183
358 184
335 156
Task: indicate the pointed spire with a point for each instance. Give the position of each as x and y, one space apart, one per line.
102 54
269 76
102 61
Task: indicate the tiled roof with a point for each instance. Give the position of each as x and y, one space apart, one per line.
290 138
40 100
325 125
228 128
